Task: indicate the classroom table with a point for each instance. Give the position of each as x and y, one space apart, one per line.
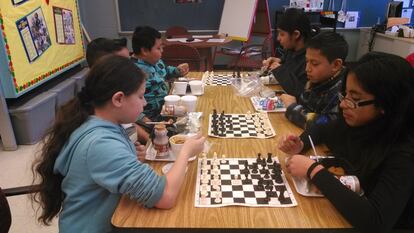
310 215
203 46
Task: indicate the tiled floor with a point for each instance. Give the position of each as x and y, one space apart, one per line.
15 170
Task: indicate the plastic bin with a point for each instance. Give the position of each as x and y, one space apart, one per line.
65 91
80 79
31 119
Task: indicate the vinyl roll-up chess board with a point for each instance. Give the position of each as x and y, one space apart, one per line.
218 79
242 181
254 125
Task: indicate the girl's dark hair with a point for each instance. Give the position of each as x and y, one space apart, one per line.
295 19
390 79
144 37
109 75
102 46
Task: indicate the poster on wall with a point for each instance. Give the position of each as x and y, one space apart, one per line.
65 32
34 34
307 4
18 2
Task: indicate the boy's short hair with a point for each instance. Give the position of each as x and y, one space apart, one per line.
331 44
144 37
101 47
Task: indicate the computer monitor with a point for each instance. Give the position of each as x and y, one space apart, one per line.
394 9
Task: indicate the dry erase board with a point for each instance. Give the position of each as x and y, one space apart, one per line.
39 40
162 14
237 17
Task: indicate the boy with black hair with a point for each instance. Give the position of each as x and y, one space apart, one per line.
147 52
147 48
325 56
100 47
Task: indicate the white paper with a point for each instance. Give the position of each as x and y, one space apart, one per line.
407 13
175 39
202 36
352 18
216 40
406 3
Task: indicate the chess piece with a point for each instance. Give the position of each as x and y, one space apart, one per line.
160 140
259 157
269 158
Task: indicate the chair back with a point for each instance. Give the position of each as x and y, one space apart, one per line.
176 31
176 54
5 215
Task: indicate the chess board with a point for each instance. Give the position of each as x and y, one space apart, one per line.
265 186
241 126
218 79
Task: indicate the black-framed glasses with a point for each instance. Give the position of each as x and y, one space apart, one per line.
354 104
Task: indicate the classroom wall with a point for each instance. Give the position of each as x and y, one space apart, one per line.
100 20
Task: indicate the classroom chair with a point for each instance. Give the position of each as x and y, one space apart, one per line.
176 31
5 214
176 54
250 56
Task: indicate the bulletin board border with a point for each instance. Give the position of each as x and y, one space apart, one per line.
36 81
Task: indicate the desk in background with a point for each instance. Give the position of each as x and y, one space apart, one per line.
385 43
203 46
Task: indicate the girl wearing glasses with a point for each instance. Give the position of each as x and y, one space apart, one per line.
376 136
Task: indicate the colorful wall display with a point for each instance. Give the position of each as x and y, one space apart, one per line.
39 40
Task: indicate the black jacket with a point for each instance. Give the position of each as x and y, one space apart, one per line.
318 104
291 75
389 187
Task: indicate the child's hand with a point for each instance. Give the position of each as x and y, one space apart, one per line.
183 68
298 165
287 99
271 63
141 151
291 144
193 146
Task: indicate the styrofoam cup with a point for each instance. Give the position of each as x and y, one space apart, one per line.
197 87
180 88
172 100
190 102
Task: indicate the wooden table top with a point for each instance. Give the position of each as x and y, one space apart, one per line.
311 212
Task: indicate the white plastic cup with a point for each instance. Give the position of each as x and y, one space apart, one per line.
172 100
197 87
190 102
180 88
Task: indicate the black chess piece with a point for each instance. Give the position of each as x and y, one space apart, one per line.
269 158
254 170
214 113
278 179
259 158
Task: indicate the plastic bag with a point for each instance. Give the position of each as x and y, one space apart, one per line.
247 86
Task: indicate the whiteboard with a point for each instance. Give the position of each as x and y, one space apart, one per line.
237 18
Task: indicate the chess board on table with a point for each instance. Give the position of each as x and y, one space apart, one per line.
250 125
242 181
219 79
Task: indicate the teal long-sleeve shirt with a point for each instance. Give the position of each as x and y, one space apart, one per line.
155 88
99 164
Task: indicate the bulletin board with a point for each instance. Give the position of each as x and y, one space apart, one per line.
39 40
